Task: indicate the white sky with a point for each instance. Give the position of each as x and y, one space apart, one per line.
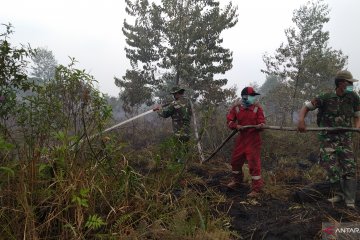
90 31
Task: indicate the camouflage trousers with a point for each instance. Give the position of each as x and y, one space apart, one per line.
181 144
337 156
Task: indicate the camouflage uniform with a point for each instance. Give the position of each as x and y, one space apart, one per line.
337 109
180 112
336 151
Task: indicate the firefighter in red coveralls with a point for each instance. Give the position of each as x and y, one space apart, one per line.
248 141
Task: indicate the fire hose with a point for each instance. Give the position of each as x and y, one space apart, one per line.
343 129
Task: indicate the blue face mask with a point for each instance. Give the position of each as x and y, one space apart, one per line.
349 88
248 100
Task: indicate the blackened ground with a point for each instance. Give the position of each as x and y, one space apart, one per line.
298 214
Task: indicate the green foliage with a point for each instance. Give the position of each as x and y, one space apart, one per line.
12 64
13 78
63 109
41 118
176 43
81 199
173 150
8 171
5 146
44 169
129 182
94 222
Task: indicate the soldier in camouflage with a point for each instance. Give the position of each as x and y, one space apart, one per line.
337 109
180 112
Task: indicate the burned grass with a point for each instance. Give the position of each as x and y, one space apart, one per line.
290 207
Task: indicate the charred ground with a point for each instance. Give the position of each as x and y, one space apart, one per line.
287 209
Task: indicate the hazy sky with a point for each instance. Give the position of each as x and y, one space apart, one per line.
90 31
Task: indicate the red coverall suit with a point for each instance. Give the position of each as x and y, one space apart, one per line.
248 142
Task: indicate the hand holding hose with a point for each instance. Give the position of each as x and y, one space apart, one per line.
301 126
157 108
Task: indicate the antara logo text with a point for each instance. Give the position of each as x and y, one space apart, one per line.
332 230
347 230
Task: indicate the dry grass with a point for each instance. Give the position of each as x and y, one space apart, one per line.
142 194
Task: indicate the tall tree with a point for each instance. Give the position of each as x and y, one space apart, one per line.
306 62
271 82
274 95
176 42
44 65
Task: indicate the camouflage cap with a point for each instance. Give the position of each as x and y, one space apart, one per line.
345 75
177 89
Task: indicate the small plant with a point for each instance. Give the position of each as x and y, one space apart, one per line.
5 146
8 171
81 199
94 222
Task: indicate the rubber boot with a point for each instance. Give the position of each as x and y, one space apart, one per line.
336 193
349 189
236 180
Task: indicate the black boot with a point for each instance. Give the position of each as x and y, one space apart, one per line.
349 189
336 192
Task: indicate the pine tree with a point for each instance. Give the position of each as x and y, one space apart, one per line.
306 63
177 42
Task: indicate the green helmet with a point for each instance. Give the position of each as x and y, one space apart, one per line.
177 89
345 75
